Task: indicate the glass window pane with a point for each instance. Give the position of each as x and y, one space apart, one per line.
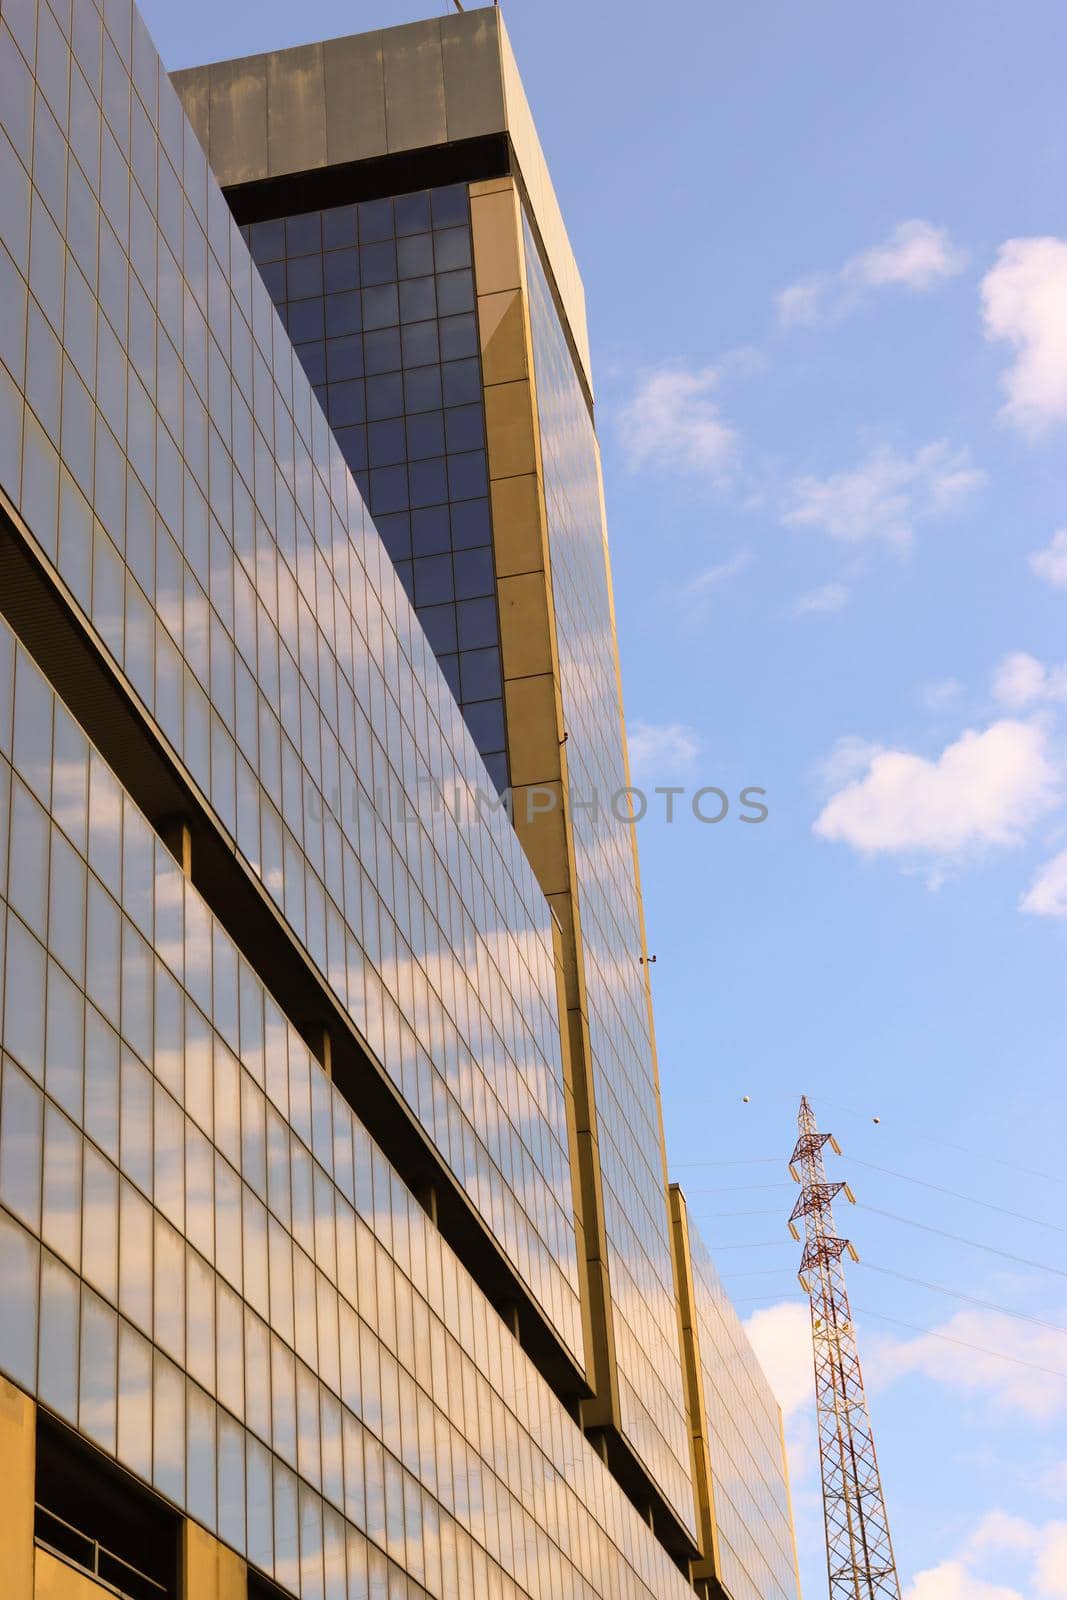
61 1215
202 1471
32 743
283 1395
19 1268
136 1122
257 1375
24 1023
66 914
65 1042
231 1483
168 1456
137 975
135 1403
101 1083
227 1104
135 1257
169 1325
21 1113
57 1361
100 1224
286 1547
169 1176
103 963
97 1401
27 879
260 1504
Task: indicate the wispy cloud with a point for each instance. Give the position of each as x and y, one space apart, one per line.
884 497
830 597
697 590
983 791
917 256
1027 1385
849 758
941 694
1020 680
673 424
1024 301
1047 894
661 749
1050 564
1037 1552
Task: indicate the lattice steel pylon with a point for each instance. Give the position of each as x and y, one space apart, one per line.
859 1551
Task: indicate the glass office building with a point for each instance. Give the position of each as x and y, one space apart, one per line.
334 1233
748 1550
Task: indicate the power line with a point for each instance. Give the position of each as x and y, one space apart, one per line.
973 1200
927 1333
975 1244
948 1144
761 1244
890 1132
751 1299
742 1188
957 1294
774 1211
748 1161
759 1272
931 1333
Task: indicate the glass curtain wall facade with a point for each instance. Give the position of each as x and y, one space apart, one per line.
177 474
372 346
749 1548
211 1271
622 1065
378 299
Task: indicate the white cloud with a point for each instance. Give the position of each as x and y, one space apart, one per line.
916 256
1036 1553
831 597
952 1580
984 790
997 1531
1024 301
673 424
1021 680
661 749
798 305
886 495
781 1338
1047 894
849 757
1050 1568
1050 564
1028 1385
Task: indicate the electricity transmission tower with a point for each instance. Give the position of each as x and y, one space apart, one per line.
859 1552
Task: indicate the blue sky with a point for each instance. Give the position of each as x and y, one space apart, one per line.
825 255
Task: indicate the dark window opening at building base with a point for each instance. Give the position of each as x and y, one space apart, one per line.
261 1588
94 1516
